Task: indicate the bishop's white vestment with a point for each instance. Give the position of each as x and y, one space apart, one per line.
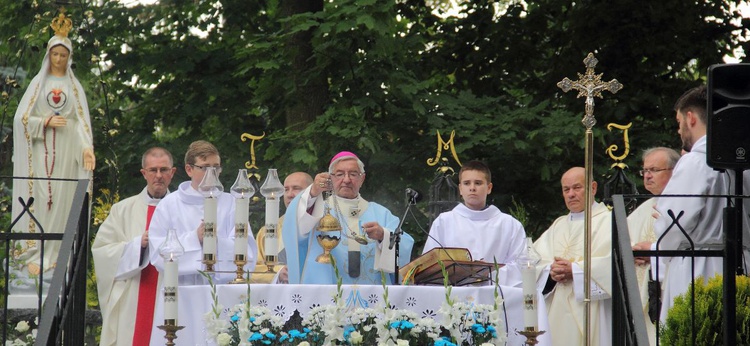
118 262
565 306
302 248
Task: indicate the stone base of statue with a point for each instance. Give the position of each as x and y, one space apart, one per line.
23 288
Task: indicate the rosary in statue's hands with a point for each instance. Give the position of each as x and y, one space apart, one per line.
56 121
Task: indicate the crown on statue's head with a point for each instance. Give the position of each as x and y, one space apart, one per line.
62 24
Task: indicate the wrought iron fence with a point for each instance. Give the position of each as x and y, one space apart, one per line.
61 316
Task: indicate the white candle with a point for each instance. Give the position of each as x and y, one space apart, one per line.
528 276
272 210
240 226
210 206
271 243
170 292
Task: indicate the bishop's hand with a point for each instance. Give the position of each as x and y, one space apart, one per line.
321 183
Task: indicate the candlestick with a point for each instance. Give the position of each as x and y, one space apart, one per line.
272 190
170 250
242 190
527 262
210 187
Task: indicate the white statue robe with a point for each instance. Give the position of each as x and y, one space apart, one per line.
565 306
489 234
118 262
182 211
302 248
702 220
40 151
641 228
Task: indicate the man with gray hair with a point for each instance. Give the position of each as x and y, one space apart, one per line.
365 250
658 163
126 282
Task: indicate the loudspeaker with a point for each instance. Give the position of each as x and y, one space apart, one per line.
728 130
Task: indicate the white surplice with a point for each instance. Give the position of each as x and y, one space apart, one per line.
641 228
489 234
118 262
565 306
702 220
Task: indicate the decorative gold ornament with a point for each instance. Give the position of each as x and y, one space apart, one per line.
443 145
590 85
612 148
61 24
244 137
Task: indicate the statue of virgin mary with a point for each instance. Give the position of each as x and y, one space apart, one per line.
52 138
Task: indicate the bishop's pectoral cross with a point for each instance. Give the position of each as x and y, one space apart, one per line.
590 85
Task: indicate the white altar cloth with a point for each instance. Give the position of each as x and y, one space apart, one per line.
283 300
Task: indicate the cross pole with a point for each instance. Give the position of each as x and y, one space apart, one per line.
589 85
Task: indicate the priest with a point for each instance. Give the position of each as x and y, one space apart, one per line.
126 282
561 275
489 234
364 251
658 163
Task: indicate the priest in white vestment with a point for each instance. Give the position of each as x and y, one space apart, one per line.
293 184
657 169
703 216
561 274
183 212
489 234
121 254
361 221
51 139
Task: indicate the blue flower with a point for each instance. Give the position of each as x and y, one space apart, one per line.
407 325
255 337
252 319
270 335
235 318
284 337
444 341
478 328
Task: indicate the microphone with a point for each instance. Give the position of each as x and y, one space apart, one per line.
413 195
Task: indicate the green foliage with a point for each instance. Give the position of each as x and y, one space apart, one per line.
708 314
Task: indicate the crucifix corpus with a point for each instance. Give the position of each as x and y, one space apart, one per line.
589 85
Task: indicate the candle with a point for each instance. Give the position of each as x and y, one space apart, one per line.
240 227
170 292
210 205
528 276
271 190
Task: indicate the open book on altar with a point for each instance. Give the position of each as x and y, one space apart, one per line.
461 269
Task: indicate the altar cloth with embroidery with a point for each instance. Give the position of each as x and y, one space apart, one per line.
283 300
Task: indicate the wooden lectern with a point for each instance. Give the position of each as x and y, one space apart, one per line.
462 270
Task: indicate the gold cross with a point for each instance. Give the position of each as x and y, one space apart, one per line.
590 85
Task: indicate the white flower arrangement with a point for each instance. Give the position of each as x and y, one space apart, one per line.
334 324
25 334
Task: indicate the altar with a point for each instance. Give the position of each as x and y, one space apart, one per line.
283 300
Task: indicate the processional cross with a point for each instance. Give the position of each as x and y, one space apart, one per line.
589 85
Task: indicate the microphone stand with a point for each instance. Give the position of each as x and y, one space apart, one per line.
396 236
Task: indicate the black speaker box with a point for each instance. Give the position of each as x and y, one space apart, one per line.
728 132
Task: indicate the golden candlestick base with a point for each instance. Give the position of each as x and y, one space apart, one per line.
171 332
209 260
328 242
271 261
531 335
240 261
